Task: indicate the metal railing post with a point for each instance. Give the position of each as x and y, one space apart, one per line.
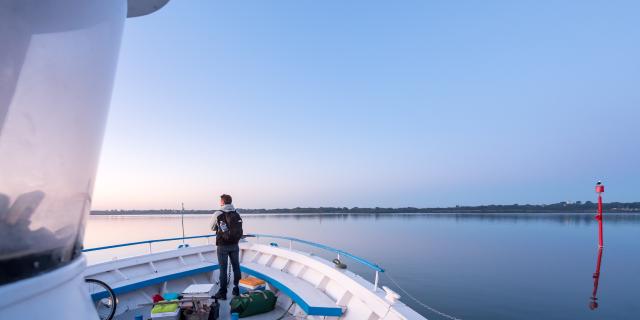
150 248
290 244
375 284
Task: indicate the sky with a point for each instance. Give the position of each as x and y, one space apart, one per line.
374 103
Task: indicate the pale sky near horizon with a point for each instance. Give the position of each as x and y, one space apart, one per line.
363 103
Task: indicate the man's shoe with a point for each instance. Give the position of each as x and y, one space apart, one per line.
235 292
220 295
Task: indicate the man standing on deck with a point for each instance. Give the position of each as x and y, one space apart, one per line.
227 224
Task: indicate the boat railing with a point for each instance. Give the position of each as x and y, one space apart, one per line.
291 240
149 242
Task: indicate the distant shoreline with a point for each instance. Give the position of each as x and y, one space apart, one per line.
556 208
329 214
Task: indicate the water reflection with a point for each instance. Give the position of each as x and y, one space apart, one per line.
593 304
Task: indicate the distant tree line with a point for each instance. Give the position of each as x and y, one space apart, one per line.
560 207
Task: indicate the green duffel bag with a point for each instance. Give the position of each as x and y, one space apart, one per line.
254 302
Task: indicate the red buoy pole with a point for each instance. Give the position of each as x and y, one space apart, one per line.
600 191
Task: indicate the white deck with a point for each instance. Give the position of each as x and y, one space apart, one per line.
319 290
306 291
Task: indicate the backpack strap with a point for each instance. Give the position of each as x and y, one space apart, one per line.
227 216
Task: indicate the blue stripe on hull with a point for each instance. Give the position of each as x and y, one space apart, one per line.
143 284
310 310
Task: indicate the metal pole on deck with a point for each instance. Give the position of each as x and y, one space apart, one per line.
183 223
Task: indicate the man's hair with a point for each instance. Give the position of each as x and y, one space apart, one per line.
226 198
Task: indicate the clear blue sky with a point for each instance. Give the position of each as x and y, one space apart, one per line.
374 103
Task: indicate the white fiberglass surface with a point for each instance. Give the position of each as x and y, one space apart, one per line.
57 65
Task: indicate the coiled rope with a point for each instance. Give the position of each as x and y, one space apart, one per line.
440 313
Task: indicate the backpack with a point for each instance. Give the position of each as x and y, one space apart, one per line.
234 224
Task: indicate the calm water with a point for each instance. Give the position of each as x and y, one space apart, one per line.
471 266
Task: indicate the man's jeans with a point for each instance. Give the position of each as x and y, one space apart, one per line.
233 253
